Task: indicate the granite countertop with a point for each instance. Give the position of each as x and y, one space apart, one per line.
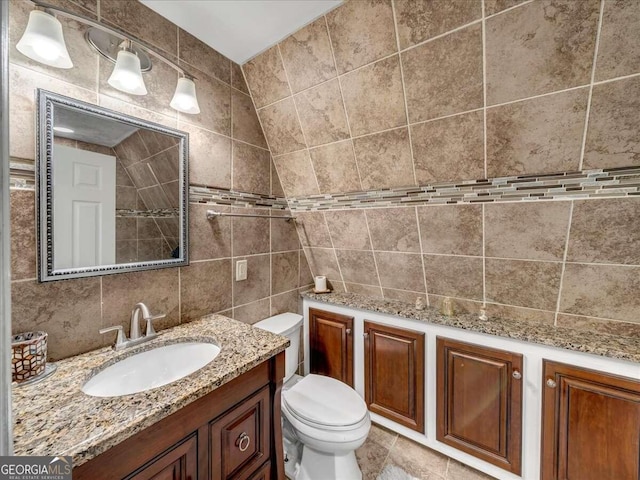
54 417
613 346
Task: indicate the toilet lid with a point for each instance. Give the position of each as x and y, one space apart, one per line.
325 401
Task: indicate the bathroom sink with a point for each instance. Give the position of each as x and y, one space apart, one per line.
151 369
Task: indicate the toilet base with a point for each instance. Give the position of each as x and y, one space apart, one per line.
317 465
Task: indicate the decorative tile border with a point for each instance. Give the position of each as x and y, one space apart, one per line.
600 183
157 213
216 196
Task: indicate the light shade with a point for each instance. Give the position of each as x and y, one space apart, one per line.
43 41
126 75
185 100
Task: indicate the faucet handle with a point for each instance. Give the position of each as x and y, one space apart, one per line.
121 338
150 330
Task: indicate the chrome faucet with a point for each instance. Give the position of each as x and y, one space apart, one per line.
135 336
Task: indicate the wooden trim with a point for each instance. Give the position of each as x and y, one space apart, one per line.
276 375
510 456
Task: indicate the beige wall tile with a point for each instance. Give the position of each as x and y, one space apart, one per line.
322 114
348 229
307 56
361 32
23 234
523 283
158 289
283 234
252 312
374 97
492 7
619 48
528 315
209 157
449 149
419 20
539 48
136 111
404 295
605 231
313 230
250 235
454 230
69 311
528 231
612 138
335 167
257 284
542 135
276 185
400 271
296 174
605 291
455 85
266 77
208 239
459 305
384 159
286 302
245 124
282 128
202 56
251 169
306 277
205 287
394 229
237 78
322 261
599 325
284 272
357 266
368 290
454 276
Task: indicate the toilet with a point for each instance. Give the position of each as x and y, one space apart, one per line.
324 419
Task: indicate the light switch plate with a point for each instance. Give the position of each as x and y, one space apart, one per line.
241 270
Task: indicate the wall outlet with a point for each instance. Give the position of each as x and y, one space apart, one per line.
241 270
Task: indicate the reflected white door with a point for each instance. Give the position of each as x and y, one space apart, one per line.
84 208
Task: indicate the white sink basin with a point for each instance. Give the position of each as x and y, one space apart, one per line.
151 369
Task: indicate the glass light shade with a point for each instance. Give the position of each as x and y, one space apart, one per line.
126 75
43 41
185 100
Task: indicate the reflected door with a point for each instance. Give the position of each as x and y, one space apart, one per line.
84 207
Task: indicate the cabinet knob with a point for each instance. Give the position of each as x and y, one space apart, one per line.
516 374
365 334
348 331
243 441
551 383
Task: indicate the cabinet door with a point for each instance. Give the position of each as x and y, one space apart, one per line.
331 341
263 474
240 439
394 374
479 402
591 425
179 463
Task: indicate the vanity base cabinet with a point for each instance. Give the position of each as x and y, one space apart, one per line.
591 425
331 342
394 374
234 432
479 402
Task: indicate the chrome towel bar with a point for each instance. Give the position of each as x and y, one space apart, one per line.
213 214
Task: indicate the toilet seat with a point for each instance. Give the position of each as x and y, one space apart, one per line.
325 403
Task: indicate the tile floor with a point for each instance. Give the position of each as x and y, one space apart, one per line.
384 447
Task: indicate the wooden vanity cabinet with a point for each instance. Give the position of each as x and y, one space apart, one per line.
331 345
394 374
234 432
590 425
479 402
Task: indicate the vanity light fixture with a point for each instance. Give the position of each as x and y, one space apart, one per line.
43 41
127 75
185 99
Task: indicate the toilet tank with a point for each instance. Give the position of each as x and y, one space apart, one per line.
288 325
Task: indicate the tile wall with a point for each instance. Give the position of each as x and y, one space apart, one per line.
227 151
382 94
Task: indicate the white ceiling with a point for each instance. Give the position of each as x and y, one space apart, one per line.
240 29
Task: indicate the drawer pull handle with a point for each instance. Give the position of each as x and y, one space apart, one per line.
243 441
551 383
516 374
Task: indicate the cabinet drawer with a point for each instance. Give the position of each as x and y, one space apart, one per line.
240 439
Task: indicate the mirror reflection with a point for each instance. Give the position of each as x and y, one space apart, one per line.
115 195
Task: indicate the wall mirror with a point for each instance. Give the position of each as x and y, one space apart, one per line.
112 191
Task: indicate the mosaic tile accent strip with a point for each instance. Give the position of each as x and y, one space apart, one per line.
598 183
157 213
216 196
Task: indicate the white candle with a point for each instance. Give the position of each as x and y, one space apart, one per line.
321 283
